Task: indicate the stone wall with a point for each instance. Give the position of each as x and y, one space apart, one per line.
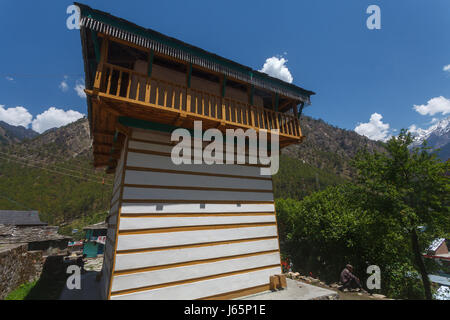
18 266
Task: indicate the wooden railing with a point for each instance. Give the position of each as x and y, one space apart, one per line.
122 83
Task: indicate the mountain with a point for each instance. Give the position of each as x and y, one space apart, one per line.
437 136
53 173
13 134
328 147
67 142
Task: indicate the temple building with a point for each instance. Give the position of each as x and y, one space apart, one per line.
181 231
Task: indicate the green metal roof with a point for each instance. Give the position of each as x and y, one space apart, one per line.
103 22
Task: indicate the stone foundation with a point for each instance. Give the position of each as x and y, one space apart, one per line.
18 266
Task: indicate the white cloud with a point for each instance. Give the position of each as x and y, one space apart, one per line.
433 106
9 78
18 116
63 85
79 88
375 129
416 131
54 117
276 67
446 68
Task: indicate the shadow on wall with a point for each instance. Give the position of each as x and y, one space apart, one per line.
52 280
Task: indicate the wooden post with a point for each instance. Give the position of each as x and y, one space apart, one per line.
223 85
275 101
188 87
103 56
96 46
148 85
250 93
297 129
151 54
282 283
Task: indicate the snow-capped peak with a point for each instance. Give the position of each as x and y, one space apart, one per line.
440 128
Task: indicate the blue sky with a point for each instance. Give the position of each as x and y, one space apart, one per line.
356 72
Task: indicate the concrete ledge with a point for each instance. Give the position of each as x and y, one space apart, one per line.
296 290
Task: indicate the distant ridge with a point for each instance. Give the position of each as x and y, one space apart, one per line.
10 134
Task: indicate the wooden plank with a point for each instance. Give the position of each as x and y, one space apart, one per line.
200 289
126 261
156 240
195 271
131 193
148 88
161 208
128 223
186 180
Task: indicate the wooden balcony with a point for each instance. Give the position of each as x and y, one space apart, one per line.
123 92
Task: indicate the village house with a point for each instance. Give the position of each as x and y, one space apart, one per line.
94 239
27 245
26 227
182 231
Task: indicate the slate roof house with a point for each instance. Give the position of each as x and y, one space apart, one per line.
20 218
26 227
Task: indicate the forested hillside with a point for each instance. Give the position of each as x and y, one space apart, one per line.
328 147
53 172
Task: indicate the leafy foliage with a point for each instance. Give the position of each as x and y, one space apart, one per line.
59 198
296 179
371 221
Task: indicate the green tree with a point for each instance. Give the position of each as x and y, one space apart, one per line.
411 189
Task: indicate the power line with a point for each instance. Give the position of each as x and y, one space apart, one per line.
42 161
62 159
55 166
13 201
51 170
27 149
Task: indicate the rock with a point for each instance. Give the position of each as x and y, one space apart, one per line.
378 296
360 294
296 275
334 285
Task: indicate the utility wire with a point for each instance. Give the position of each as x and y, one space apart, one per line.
42 162
51 170
27 149
13 201
62 159
55 166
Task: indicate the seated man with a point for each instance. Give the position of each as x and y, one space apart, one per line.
80 262
348 279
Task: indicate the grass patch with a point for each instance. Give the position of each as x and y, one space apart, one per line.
21 292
